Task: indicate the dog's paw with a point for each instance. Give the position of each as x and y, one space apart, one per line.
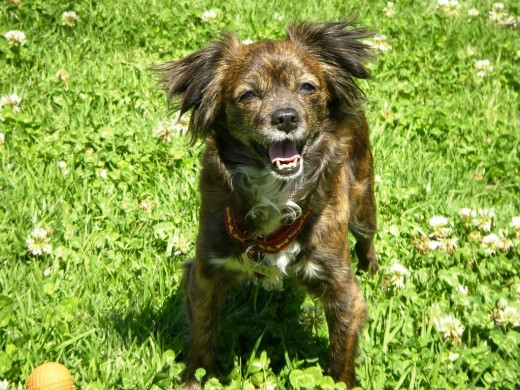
373 265
370 266
367 261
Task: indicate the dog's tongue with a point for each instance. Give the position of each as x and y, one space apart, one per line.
283 151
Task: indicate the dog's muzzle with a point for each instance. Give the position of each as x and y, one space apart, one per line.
284 154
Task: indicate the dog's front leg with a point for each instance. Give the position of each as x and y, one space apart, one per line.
205 293
363 225
346 312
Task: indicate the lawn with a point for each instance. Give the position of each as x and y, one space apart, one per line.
99 201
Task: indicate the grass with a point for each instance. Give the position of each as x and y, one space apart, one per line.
119 205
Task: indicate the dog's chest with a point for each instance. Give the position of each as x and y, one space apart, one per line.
272 211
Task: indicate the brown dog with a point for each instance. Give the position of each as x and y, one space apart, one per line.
286 173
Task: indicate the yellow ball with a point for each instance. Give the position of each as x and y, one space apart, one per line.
50 376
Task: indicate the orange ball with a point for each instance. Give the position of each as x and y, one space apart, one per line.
50 376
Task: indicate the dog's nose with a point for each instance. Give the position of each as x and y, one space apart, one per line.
285 119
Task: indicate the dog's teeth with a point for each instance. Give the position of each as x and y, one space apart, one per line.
285 166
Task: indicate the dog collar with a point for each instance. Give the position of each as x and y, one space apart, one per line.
275 242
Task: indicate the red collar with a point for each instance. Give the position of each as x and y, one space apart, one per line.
273 243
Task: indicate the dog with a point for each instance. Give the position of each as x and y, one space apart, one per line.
286 173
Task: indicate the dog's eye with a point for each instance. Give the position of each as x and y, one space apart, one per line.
307 88
248 95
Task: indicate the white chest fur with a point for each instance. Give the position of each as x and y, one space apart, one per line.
272 205
271 200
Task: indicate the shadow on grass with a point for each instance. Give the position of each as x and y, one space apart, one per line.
249 313
165 325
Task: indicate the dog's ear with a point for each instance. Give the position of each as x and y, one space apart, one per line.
340 51
196 81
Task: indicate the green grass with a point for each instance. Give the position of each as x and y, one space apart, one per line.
106 302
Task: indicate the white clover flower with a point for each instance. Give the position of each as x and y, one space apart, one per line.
449 327
422 244
496 16
493 243
15 38
442 243
278 16
386 106
69 18
146 205
512 21
449 8
484 68
502 303
247 41
453 356
47 272
515 225
505 244
167 128
490 243
103 174
389 9
180 243
497 13
38 243
62 75
209 16
381 44
449 244
397 272
473 13
507 316
62 165
484 219
462 290
438 221
4 384
441 231
12 100
433 245
467 214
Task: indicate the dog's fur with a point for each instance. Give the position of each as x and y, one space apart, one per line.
300 93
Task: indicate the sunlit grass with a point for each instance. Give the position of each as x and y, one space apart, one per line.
87 157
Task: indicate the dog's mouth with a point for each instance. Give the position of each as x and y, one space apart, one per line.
285 157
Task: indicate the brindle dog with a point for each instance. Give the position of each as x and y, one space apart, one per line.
286 149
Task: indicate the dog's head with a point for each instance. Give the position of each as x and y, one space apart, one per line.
273 98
